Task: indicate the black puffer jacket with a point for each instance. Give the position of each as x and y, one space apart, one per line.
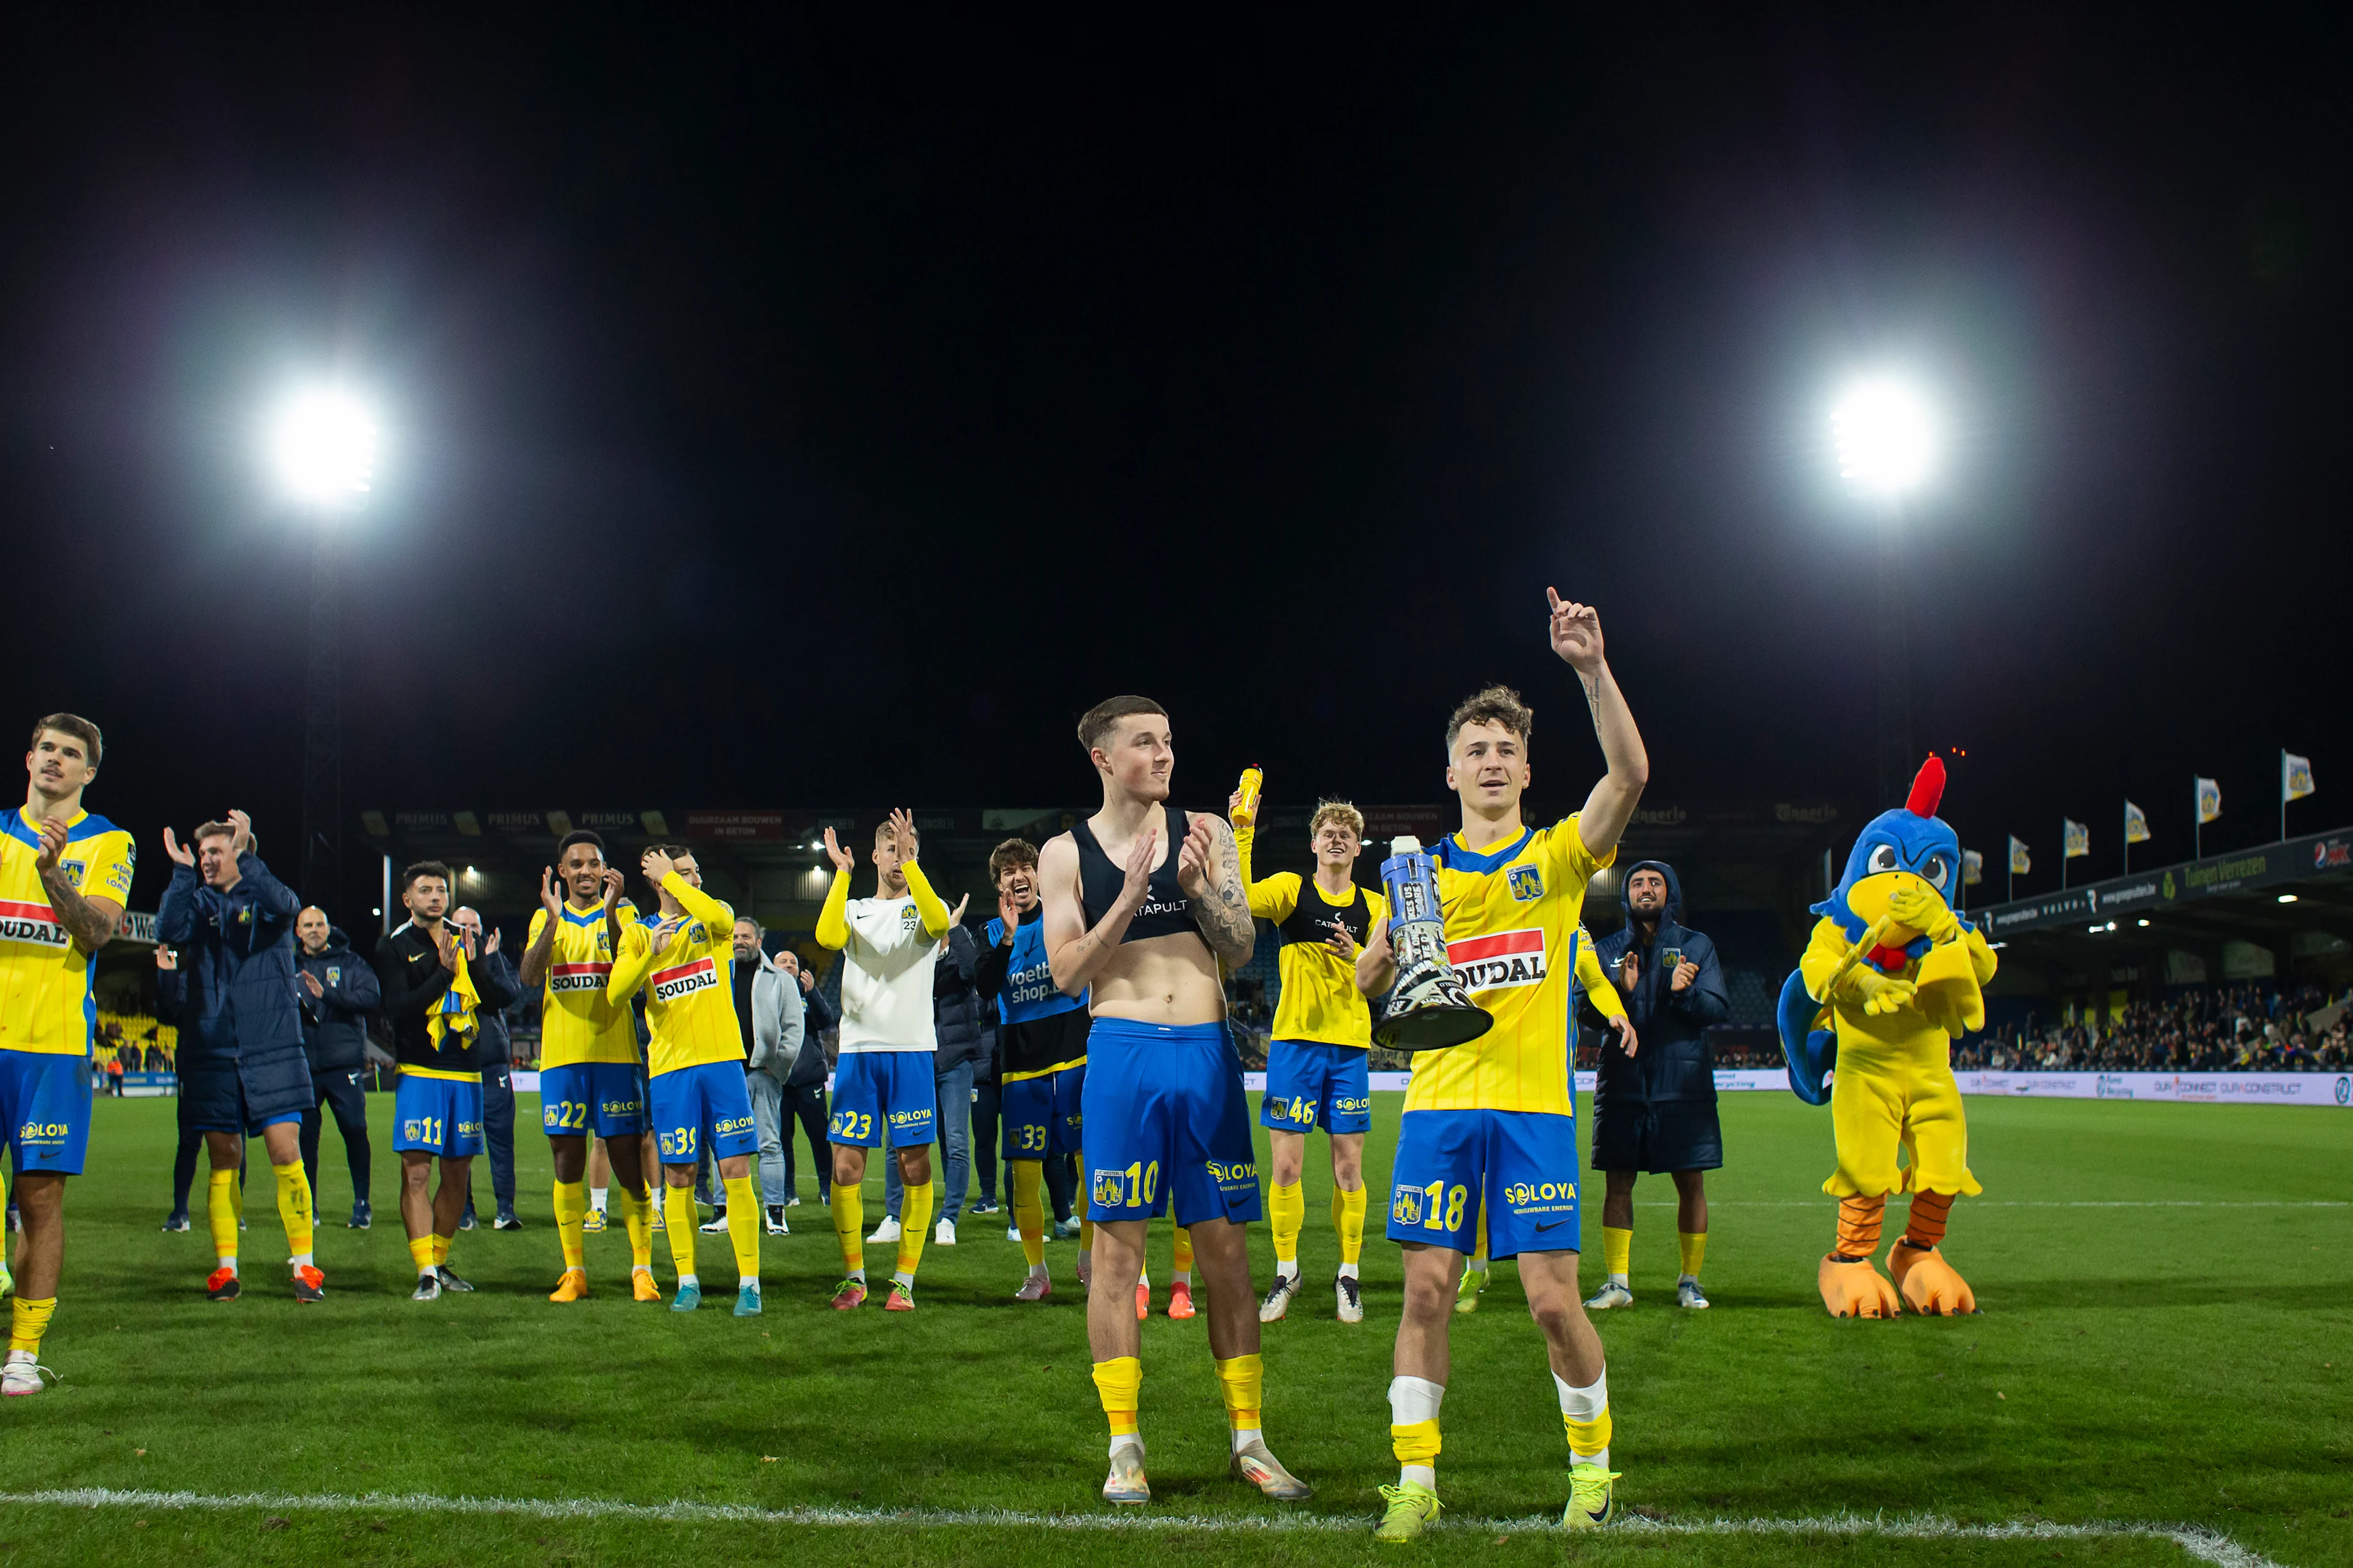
334 1025
956 1006
240 1030
1672 1062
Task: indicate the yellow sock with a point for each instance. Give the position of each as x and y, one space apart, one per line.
1478 1246
1348 1219
1616 1249
1416 1442
1086 1227
849 1226
1183 1259
220 1208
571 1209
638 1216
442 1248
914 1223
677 1223
1240 1379
1694 1245
1587 1438
420 1252
28 1322
1286 1212
1029 1209
294 1208
744 1228
1119 1383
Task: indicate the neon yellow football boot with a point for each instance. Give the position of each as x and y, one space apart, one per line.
1466 1294
1410 1506
1592 1498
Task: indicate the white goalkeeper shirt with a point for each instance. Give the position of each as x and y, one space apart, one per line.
886 978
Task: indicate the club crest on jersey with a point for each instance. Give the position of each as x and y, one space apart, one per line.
334 975
908 919
73 870
1500 960
1526 882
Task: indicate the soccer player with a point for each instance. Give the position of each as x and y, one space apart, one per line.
1143 901
1491 1122
1323 1029
587 1056
432 998
884 1088
1043 1038
242 1066
64 876
686 962
1593 984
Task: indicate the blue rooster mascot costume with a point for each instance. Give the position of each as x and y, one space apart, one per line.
1890 977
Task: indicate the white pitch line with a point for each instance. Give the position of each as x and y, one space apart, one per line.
2205 1545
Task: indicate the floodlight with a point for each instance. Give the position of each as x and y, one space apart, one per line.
1885 437
322 448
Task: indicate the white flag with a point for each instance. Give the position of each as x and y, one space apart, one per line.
2077 838
2209 800
2295 777
2136 823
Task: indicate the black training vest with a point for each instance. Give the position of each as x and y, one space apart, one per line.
1311 919
1166 910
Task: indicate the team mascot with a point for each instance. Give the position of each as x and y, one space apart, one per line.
1890 977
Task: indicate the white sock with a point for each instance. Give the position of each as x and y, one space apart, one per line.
1585 1404
228 1263
1144 1280
1038 1271
1414 1399
686 1281
1287 1267
1127 1440
1686 1279
1245 1436
299 1260
1477 1265
597 1198
1185 1277
1347 1271
1621 1281
859 1274
903 1277
1086 1257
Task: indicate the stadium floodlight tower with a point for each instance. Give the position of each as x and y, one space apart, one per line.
1885 439
321 447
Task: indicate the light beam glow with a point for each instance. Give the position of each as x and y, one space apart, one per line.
322 448
1885 436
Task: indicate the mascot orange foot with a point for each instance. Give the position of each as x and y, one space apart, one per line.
1931 1286
1853 1289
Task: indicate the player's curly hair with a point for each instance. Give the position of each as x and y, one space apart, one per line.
1098 720
1338 810
421 869
1011 853
1497 705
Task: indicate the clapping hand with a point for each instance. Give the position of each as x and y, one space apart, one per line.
178 853
311 983
836 853
1685 973
1197 868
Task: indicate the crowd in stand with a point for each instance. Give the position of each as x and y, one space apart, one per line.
2235 1028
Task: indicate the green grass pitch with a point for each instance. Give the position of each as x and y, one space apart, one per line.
2166 1341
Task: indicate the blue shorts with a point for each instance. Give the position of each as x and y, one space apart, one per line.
1521 1164
592 1100
879 1093
1043 1115
1168 1124
45 1107
439 1115
708 1097
1308 1081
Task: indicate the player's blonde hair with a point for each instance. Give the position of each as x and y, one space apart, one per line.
1339 811
1497 705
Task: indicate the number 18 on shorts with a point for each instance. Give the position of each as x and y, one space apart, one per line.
1521 1164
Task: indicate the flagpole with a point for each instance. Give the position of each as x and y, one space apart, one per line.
2128 838
2283 794
2197 822
2062 854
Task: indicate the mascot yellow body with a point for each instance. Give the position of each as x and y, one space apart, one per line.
1890 978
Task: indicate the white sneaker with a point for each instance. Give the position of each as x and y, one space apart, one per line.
1278 1299
716 1225
1610 1295
887 1231
1350 1300
24 1376
1687 1294
943 1234
777 1226
1012 1233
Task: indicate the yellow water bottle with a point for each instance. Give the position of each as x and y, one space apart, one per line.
1252 779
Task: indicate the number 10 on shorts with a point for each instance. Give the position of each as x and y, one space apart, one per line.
1131 1188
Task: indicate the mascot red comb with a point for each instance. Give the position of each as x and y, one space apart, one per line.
1890 977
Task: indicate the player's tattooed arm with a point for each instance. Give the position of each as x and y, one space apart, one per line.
536 958
93 921
1209 869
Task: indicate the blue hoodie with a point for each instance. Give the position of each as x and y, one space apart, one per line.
1672 1061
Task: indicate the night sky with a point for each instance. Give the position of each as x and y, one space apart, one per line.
811 415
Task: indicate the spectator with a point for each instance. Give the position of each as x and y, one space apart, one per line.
247 1074
804 1096
1655 1110
496 979
988 1107
768 1008
338 994
955 1018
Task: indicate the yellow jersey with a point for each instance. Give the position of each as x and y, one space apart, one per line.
1511 917
46 1005
689 983
577 1022
1320 1001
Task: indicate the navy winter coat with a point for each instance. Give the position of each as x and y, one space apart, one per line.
240 1055
1672 1061
956 1006
334 1027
